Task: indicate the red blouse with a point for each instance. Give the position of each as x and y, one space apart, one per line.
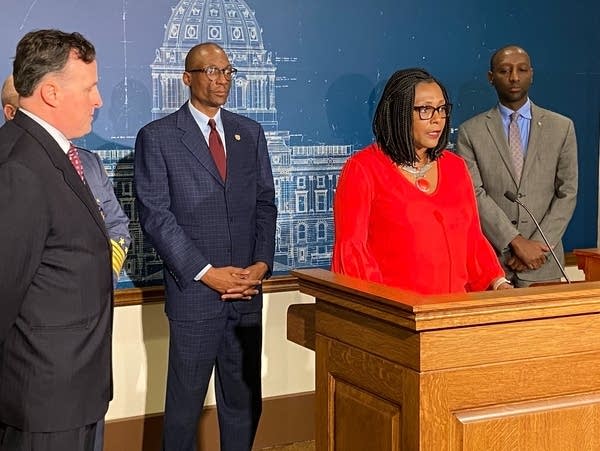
388 231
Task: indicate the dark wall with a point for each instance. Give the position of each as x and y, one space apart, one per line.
342 52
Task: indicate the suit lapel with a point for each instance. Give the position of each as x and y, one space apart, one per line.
535 135
60 160
194 141
498 135
233 138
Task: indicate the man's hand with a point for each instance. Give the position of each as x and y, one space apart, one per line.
232 282
515 263
531 253
254 272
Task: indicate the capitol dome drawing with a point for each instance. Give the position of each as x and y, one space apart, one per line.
232 25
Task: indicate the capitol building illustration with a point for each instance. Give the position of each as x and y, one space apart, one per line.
305 176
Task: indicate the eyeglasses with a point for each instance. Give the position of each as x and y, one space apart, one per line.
426 111
213 72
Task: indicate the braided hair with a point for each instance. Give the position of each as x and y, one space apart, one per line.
393 121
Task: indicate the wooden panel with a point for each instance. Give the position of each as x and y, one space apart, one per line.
370 374
498 385
557 424
451 348
374 336
301 324
362 420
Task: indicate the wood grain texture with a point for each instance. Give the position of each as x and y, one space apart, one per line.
554 424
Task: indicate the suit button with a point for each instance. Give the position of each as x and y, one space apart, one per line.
513 222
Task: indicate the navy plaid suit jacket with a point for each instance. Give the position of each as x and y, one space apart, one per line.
192 217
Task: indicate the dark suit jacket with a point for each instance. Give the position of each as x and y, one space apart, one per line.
548 184
192 217
55 288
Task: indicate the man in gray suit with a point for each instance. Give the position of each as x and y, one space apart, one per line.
545 178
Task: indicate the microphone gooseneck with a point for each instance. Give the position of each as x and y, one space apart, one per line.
513 198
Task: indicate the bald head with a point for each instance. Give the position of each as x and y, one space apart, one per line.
201 51
10 98
507 50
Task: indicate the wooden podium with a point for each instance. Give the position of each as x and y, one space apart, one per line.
492 371
588 260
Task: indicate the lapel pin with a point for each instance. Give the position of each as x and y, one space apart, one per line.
237 137
539 123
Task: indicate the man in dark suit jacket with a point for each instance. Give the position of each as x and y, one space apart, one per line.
115 219
547 183
212 220
56 284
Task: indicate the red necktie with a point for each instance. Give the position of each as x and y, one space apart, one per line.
216 149
73 155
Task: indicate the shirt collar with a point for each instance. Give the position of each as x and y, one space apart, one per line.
60 139
524 111
202 119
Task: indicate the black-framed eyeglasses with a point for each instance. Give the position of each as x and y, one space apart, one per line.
426 111
213 72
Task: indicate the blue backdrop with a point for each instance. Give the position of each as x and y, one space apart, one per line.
333 57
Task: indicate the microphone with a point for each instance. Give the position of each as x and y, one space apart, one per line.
513 198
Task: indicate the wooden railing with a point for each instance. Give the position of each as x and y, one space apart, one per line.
277 284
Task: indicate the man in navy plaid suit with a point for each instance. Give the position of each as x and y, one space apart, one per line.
216 236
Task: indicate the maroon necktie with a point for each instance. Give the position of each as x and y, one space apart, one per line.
216 149
73 155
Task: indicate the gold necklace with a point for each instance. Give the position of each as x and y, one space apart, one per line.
419 174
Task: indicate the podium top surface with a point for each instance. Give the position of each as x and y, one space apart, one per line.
591 252
425 312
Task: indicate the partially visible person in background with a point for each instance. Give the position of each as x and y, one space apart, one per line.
55 258
405 211
531 152
10 98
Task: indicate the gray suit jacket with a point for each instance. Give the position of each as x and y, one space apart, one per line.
548 185
117 222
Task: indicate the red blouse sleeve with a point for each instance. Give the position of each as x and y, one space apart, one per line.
482 262
351 255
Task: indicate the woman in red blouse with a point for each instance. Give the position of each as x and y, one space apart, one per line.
405 210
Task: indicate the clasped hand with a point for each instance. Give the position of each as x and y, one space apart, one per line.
526 254
235 283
